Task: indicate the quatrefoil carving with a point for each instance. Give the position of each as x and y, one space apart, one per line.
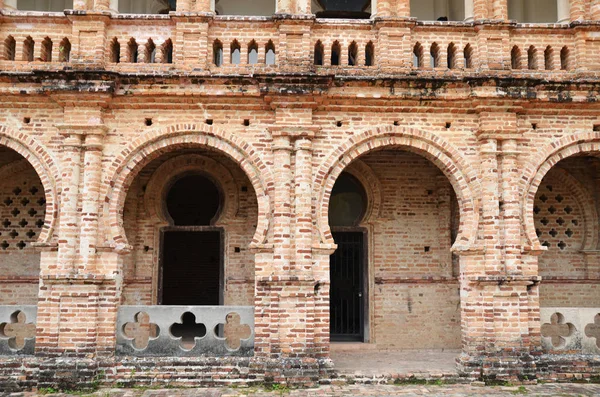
17 330
557 330
234 331
141 331
593 330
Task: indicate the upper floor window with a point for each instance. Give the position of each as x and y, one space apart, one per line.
351 9
533 11
147 6
45 5
436 10
245 7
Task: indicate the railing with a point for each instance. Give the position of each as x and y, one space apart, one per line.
17 330
570 330
254 45
188 331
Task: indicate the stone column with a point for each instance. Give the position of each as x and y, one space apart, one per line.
205 6
563 11
403 8
469 8
184 5
8 4
511 208
80 5
444 216
106 5
303 193
283 6
481 9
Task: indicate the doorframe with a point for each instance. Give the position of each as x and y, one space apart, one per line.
365 277
169 229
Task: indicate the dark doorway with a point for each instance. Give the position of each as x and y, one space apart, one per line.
347 287
191 268
191 263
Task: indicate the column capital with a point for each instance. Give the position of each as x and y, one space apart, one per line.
294 132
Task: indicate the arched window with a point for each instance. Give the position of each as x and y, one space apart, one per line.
132 51
549 58
468 56
218 53
252 53
529 11
370 54
28 47
150 52
115 51
336 52
352 54
167 51
193 200
64 50
434 54
515 58
319 53
44 5
451 56
236 53
564 59
438 10
245 7
532 58
418 56
348 201
46 53
10 48
270 53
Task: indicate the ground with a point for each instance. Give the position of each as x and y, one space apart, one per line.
558 389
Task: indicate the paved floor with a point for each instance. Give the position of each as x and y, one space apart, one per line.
546 390
370 362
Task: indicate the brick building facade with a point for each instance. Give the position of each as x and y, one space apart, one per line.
194 196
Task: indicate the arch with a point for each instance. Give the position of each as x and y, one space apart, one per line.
434 53
532 63
235 51
115 50
46 54
515 57
132 51
319 54
451 56
159 141
167 51
579 143
154 194
372 186
468 56
252 53
565 59
549 58
28 48
370 54
336 54
46 168
10 48
462 177
150 52
270 54
64 50
418 55
217 53
353 54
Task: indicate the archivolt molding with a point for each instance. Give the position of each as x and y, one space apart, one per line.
46 168
540 165
156 189
157 142
446 157
365 175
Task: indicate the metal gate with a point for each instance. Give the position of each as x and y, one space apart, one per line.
347 287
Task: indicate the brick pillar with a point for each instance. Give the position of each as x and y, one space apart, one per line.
403 8
490 204
499 9
481 9
89 42
595 10
204 6
284 6
511 208
580 10
184 5
80 4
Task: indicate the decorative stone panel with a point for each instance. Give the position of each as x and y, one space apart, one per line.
17 330
570 330
187 331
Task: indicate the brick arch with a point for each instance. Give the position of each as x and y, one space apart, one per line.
155 189
157 142
365 175
45 167
540 165
434 148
